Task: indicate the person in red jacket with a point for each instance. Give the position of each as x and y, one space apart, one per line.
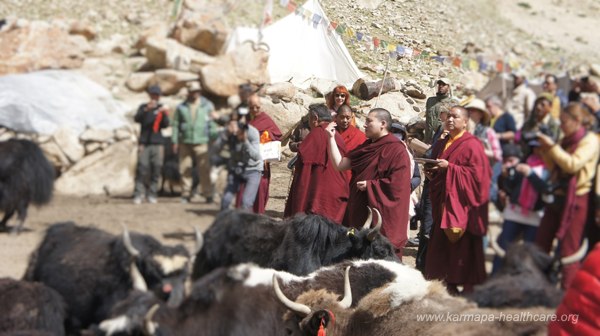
579 311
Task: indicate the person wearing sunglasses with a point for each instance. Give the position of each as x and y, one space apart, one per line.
338 97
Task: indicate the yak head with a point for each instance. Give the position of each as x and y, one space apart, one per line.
527 258
314 310
369 243
161 269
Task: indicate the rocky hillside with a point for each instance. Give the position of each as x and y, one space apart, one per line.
127 45
527 31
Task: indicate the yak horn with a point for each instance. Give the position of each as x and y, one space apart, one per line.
577 256
369 220
199 240
136 277
293 306
149 326
263 46
128 245
347 300
371 236
497 249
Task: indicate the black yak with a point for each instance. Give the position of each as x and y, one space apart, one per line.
30 308
26 176
298 245
528 278
93 269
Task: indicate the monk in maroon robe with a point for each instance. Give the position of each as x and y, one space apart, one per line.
353 137
460 184
380 178
317 186
268 131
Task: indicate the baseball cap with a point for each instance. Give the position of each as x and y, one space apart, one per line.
154 90
444 80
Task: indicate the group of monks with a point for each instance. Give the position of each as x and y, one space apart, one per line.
342 171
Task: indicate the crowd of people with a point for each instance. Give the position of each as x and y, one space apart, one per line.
534 157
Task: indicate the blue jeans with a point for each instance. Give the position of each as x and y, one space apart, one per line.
510 232
252 179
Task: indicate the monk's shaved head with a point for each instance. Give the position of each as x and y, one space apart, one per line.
383 115
463 111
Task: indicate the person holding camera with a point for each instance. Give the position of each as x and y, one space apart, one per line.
572 163
268 131
152 116
540 120
245 163
523 188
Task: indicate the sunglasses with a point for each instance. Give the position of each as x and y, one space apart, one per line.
340 95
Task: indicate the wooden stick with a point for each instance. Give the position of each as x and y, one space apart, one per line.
384 75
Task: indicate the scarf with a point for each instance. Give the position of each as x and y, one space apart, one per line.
569 144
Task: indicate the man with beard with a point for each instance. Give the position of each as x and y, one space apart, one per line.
381 177
432 108
459 187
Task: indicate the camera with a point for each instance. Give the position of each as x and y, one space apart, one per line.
529 136
512 172
242 125
243 110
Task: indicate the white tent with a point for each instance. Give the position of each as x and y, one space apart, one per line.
301 50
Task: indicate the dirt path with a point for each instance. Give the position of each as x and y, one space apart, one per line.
169 221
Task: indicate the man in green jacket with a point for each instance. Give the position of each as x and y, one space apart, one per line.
432 108
192 131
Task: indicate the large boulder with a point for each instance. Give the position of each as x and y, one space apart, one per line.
108 171
246 64
168 53
55 155
201 35
68 141
171 81
30 46
284 114
397 104
284 91
139 81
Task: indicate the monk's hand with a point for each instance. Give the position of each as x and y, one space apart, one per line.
442 164
331 129
545 140
361 185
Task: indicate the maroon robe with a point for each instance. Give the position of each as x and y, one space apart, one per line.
460 197
262 122
385 165
353 138
317 186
